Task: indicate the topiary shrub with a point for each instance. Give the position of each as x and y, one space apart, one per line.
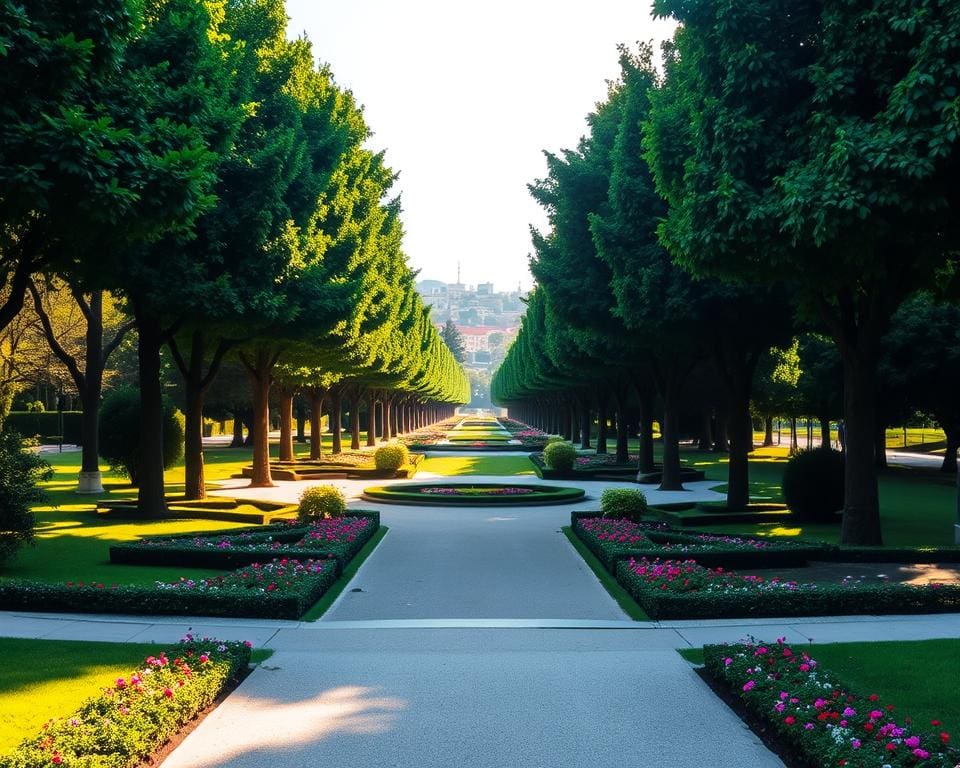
391 456
628 503
320 502
560 456
813 485
120 432
20 472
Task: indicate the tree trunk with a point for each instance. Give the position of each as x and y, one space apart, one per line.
91 479
336 422
261 377
371 420
949 464
880 447
602 423
586 423
705 443
767 431
825 442
741 444
623 433
861 509
645 464
286 424
388 429
150 497
794 444
237 441
355 422
316 424
670 481
194 477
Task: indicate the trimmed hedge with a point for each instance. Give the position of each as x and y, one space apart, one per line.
821 600
289 540
818 716
413 494
660 541
171 599
46 425
127 722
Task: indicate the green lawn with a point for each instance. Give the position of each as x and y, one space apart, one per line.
477 465
919 677
42 679
917 507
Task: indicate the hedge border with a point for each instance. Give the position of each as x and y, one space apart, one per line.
16 595
825 600
543 495
133 553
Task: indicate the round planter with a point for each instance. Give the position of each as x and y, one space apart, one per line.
482 495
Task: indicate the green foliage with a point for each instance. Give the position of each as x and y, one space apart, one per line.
391 456
560 456
46 424
825 600
813 485
229 594
20 473
320 502
454 340
156 700
120 432
629 503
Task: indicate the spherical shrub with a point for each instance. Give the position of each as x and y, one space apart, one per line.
120 432
391 456
813 485
319 502
623 502
560 456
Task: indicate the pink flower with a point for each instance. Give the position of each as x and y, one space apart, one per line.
855 743
913 742
749 685
168 693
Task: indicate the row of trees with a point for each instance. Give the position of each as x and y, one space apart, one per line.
791 169
189 160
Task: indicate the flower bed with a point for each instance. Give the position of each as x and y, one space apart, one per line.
279 589
613 539
682 589
473 494
464 490
131 719
340 538
823 721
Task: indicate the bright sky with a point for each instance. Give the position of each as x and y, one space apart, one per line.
465 97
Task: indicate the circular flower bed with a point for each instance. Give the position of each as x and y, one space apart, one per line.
473 494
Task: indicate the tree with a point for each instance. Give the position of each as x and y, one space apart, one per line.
809 142
102 329
454 340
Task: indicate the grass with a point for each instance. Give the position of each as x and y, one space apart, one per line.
31 693
917 506
618 593
917 676
477 465
323 604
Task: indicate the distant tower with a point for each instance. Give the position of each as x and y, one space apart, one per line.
458 273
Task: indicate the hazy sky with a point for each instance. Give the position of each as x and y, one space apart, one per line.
464 97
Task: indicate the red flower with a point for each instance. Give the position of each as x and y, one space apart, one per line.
789 720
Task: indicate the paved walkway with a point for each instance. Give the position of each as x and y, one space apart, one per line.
472 637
